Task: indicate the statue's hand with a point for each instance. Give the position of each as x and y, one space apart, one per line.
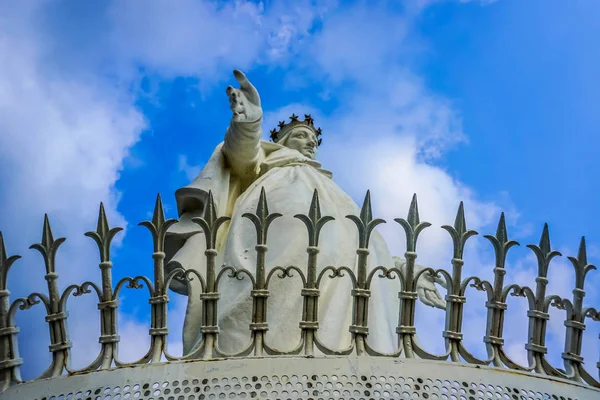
245 101
428 293
426 289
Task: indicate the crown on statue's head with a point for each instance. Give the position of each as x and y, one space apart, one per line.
308 122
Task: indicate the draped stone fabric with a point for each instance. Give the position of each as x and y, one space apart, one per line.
236 173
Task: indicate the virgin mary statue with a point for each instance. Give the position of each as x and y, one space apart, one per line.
286 168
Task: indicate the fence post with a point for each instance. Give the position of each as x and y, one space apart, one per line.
9 358
159 330
261 220
107 306
56 317
460 234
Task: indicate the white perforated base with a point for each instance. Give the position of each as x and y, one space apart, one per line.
301 378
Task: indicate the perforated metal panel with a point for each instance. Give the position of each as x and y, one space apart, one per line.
300 378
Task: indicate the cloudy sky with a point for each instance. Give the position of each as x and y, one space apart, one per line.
493 103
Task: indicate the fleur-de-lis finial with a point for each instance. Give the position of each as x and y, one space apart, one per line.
158 226
103 235
544 252
365 223
412 225
313 221
500 241
261 218
210 223
581 265
48 246
5 263
459 232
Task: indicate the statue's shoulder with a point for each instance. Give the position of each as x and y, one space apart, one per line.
270 147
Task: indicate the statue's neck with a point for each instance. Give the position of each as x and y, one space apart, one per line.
285 156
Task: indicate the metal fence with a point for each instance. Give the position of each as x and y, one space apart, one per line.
539 302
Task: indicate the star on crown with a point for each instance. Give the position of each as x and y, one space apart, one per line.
295 121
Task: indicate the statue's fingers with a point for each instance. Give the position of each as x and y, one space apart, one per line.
437 299
248 89
422 293
240 77
439 302
229 90
434 299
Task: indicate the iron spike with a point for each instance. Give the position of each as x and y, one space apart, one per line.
460 224
158 217
315 207
545 241
366 213
582 253
47 237
262 209
413 212
501 232
102 226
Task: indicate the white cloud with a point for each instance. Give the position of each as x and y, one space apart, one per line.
207 39
190 171
68 122
365 150
62 142
63 139
187 39
387 135
357 42
62 145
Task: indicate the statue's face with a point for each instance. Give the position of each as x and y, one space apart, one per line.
304 140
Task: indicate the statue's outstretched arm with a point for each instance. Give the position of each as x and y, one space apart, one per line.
426 288
242 139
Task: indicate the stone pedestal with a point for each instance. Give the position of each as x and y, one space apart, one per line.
303 378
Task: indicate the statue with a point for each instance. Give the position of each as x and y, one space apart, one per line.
287 169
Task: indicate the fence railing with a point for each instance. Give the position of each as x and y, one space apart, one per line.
539 302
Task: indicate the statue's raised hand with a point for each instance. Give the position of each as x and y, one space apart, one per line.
245 101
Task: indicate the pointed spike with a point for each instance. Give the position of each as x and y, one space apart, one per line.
158 216
413 212
545 241
315 206
582 254
47 237
210 212
262 207
460 224
366 213
102 226
501 232
3 255
5 263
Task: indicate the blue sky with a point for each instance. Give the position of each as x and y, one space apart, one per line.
493 103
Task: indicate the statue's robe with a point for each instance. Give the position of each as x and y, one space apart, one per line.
235 173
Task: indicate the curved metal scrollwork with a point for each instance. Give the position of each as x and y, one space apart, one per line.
334 272
283 273
362 280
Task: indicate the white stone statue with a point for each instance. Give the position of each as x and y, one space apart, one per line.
286 168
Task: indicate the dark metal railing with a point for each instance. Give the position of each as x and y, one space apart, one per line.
539 302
